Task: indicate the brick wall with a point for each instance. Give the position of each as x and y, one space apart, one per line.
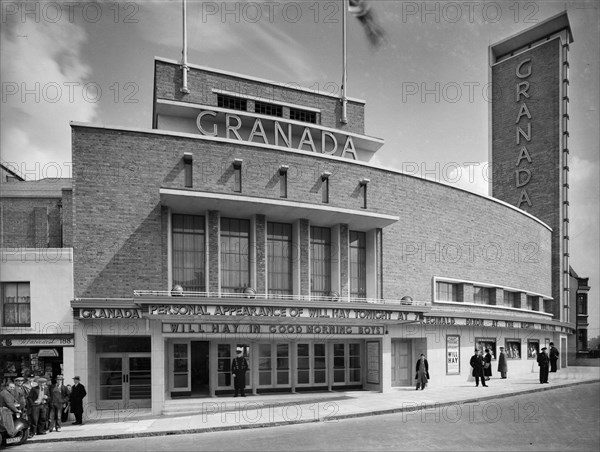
442 231
168 82
30 223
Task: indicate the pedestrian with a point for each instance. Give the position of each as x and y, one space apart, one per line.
38 400
544 363
21 396
553 357
422 372
59 396
239 367
9 404
78 392
487 366
502 363
67 406
27 387
477 363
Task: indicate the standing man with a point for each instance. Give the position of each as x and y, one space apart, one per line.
78 392
422 375
58 399
553 357
477 363
38 400
9 404
27 388
21 396
239 367
544 363
502 363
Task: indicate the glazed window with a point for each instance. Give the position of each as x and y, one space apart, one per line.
358 264
268 109
303 115
233 103
189 252
511 299
235 248
513 348
447 291
16 304
320 260
481 295
279 258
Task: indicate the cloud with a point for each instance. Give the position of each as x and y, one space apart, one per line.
43 88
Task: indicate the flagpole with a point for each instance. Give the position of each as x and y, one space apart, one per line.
184 65
344 118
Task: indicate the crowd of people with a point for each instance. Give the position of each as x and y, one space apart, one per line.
46 407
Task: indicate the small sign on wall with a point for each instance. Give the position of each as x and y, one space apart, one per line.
373 362
452 354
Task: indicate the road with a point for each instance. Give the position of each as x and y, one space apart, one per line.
566 419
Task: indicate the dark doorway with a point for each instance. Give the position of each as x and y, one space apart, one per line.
200 369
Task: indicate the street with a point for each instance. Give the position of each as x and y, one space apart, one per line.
566 419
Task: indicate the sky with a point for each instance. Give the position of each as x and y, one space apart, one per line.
425 89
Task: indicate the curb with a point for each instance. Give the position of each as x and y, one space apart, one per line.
421 406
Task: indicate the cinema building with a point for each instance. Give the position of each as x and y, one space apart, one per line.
249 217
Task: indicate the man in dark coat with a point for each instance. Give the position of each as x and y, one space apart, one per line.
553 357
477 363
38 400
59 396
422 375
21 395
239 367
544 363
502 363
78 392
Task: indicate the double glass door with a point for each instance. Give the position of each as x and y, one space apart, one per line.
124 380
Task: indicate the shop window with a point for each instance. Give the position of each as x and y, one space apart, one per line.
233 103
279 258
189 252
358 264
235 248
16 304
481 295
533 348
486 343
320 259
446 291
513 348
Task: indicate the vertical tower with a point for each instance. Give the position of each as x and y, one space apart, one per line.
529 135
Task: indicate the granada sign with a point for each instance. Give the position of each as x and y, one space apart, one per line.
278 132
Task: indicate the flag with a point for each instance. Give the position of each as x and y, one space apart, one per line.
362 11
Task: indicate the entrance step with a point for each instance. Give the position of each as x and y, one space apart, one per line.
210 405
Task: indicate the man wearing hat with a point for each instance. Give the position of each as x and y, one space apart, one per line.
78 392
239 367
543 361
38 400
21 395
58 399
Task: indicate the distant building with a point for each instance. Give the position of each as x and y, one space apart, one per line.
579 307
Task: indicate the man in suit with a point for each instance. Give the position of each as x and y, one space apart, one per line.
38 400
544 363
58 398
477 363
78 392
239 367
553 357
21 396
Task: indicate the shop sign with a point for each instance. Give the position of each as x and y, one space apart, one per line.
16 341
280 312
48 353
485 323
110 313
237 328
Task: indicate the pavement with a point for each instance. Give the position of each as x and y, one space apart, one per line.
229 413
